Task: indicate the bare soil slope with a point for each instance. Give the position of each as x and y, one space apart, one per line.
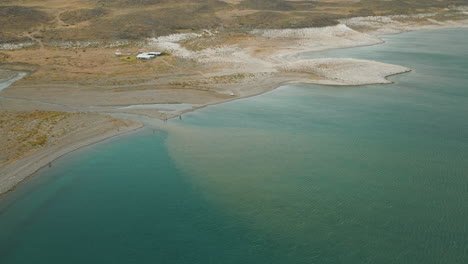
53 20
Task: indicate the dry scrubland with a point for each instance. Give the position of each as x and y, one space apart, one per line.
52 21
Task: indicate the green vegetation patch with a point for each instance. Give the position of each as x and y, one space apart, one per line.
402 7
164 21
15 20
80 15
159 3
279 5
272 20
20 18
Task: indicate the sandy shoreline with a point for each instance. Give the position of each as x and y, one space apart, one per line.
263 62
15 173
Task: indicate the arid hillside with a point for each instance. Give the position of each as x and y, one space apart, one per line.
57 20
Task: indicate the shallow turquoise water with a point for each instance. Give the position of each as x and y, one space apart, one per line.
303 174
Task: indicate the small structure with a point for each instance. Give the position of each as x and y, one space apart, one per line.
155 53
148 55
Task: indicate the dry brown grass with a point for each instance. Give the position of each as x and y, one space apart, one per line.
47 20
89 66
24 133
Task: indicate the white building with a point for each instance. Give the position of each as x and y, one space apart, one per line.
155 53
148 55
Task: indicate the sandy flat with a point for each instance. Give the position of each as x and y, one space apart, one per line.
345 71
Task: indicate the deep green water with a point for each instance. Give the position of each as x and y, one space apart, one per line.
303 174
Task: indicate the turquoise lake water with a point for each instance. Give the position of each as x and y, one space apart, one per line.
302 174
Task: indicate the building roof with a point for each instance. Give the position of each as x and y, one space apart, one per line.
148 55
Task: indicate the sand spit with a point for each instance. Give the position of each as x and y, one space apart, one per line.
345 71
43 139
265 55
